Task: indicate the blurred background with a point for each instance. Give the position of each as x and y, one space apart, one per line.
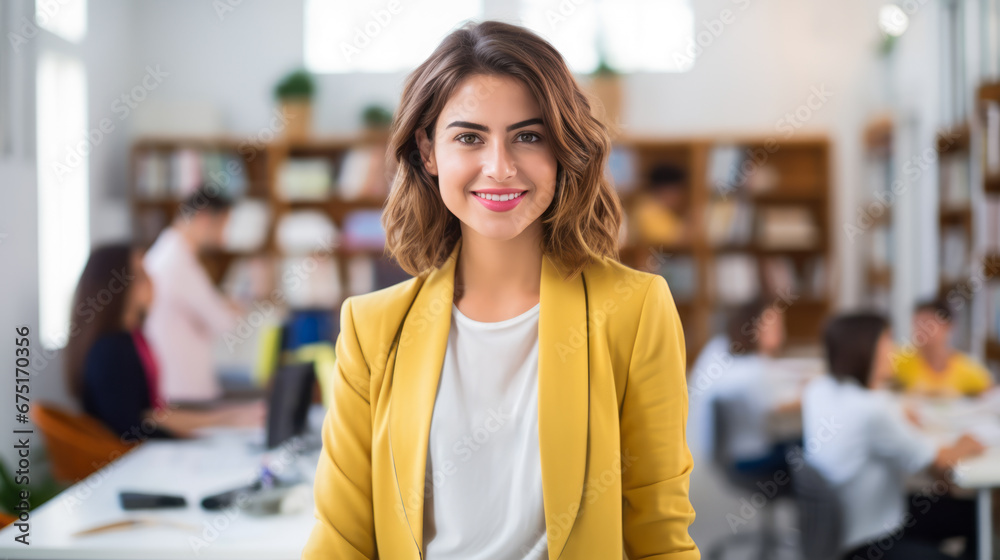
819 157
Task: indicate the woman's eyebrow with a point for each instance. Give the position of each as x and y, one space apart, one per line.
484 128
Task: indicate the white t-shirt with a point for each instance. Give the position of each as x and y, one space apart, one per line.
483 497
861 442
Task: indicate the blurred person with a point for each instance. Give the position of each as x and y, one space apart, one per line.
188 312
746 391
860 440
110 366
661 207
931 365
712 362
536 384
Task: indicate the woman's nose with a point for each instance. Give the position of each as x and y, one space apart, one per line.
499 165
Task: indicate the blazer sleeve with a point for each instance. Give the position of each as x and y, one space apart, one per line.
345 519
656 510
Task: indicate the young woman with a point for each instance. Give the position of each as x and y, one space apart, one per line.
109 364
862 443
523 396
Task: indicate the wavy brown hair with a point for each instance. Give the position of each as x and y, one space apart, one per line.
583 220
88 321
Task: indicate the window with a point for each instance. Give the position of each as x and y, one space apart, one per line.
387 36
393 35
63 189
635 35
65 18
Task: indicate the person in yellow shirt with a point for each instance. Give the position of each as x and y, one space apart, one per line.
930 365
660 209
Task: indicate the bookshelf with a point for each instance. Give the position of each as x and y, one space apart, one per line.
988 113
317 202
955 223
878 239
733 247
758 217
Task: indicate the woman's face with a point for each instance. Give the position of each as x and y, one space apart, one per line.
771 332
882 371
490 141
140 293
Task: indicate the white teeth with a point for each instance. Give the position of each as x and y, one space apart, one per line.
498 197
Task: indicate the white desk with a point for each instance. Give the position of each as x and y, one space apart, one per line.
981 417
221 461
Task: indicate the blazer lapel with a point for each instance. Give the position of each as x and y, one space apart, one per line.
563 395
563 400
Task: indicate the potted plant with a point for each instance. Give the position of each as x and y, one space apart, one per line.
606 86
294 94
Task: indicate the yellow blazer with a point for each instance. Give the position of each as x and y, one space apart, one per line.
612 408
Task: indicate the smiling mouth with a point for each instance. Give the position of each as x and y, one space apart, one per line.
496 197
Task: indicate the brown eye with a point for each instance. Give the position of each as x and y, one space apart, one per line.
530 135
463 137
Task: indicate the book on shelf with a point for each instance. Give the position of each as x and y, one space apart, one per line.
955 185
992 294
782 277
621 170
735 280
310 281
173 174
786 227
249 278
724 174
360 274
363 230
992 224
991 144
305 179
954 253
729 221
681 274
367 273
246 229
880 253
226 170
152 175
362 174
306 231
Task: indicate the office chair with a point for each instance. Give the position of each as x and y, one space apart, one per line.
820 514
78 445
768 539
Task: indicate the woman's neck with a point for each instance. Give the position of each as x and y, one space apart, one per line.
133 318
496 278
936 356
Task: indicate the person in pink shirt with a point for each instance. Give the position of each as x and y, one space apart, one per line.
188 312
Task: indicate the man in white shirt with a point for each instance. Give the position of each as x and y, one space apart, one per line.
858 437
188 312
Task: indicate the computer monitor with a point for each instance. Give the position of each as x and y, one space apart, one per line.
288 402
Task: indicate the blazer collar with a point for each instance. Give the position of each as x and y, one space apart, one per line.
563 394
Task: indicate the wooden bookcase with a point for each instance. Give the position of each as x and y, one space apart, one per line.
261 163
878 239
800 172
988 94
800 166
955 224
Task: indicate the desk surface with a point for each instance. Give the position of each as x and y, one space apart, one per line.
946 420
219 461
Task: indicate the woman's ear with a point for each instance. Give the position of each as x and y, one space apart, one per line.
426 147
